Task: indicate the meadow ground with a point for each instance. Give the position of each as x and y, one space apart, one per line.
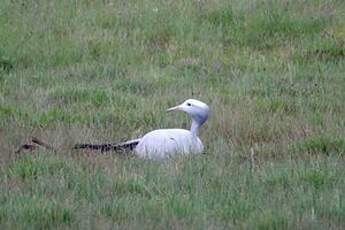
273 73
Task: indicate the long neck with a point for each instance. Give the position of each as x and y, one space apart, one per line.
195 127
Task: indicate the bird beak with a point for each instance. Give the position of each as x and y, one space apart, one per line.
176 108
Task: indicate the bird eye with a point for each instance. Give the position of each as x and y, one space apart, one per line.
189 104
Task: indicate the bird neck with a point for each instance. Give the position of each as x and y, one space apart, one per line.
195 127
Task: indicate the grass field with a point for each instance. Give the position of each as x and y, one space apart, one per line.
273 73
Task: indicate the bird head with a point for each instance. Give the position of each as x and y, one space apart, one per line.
198 110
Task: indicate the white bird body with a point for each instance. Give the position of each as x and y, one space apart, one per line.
164 143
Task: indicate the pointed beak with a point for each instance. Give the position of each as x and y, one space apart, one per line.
176 108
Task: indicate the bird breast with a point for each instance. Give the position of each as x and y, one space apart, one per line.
164 143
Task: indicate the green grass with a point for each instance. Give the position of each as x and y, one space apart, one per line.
105 71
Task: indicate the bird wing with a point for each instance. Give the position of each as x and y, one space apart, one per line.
128 145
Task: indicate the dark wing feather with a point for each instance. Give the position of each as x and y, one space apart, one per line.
128 145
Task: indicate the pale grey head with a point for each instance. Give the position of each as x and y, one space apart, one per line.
198 111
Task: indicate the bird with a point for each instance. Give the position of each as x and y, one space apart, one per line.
161 144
